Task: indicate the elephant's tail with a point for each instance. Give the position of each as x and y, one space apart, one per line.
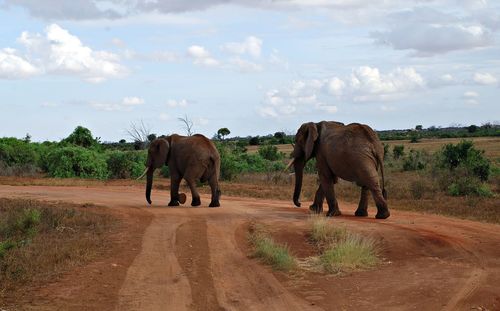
380 161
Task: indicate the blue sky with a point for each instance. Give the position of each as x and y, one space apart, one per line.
255 67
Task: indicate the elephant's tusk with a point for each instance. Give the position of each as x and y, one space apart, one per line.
289 164
145 171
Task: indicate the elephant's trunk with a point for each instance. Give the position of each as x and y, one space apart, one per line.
149 183
299 174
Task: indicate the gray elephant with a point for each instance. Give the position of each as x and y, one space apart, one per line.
352 152
194 158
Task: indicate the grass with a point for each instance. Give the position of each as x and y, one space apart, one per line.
352 252
342 251
271 253
40 240
323 233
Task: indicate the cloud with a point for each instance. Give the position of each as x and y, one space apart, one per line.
471 98
365 84
251 46
13 66
485 78
428 32
59 52
126 104
242 65
201 56
177 103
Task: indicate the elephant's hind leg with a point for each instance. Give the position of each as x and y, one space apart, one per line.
196 201
214 186
382 210
362 210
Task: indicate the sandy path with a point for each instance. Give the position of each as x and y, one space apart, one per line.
193 259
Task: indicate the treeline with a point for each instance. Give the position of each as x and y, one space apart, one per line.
81 155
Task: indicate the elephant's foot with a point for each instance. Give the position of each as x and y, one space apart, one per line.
196 202
173 203
383 214
333 213
361 213
316 209
214 204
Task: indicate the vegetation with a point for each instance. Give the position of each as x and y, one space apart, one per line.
27 227
264 247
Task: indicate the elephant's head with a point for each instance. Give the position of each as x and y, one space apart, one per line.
157 157
305 140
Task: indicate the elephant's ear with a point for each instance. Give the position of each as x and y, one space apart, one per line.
312 136
162 148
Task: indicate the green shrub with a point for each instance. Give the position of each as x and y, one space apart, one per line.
398 151
82 137
17 152
415 160
464 154
126 164
68 162
270 152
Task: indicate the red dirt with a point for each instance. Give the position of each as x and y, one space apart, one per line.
196 259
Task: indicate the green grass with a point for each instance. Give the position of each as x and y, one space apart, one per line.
353 252
271 253
323 232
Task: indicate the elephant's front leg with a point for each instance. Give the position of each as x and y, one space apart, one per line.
327 182
317 206
362 210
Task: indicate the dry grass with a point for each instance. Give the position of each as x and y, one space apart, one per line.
45 239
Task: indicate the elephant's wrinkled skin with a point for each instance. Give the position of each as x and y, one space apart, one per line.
352 152
193 158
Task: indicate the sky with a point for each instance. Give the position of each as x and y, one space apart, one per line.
255 67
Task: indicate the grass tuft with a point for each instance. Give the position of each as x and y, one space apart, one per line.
271 253
353 252
323 232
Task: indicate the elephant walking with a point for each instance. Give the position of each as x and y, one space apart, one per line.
352 152
192 158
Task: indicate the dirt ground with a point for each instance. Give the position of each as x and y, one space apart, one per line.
187 258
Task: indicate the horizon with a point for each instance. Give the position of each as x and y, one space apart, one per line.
254 69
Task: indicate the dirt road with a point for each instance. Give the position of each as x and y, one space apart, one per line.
197 259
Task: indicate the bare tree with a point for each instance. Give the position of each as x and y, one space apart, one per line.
187 125
140 133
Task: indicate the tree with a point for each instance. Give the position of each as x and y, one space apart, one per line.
398 151
222 132
280 136
151 137
187 125
472 128
254 141
139 133
81 136
418 127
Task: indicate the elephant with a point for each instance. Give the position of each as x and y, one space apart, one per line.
352 152
194 158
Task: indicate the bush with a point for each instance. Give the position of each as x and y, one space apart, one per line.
126 164
464 154
17 152
82 137
398 151
415 160
76 162
270 152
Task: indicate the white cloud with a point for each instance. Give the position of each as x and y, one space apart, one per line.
201 56
428 32
251 45
126 104
59 52
471 98
13 66
164 117
177 103
245 65
336 86
485 78
132 101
